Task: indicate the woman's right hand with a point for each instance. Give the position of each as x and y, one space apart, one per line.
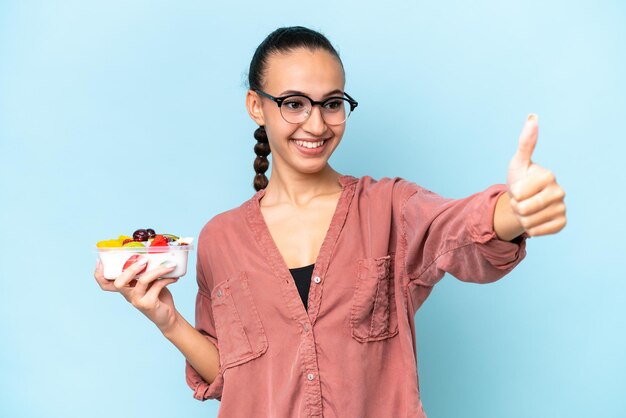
146 292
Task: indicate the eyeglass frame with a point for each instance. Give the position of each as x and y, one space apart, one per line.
279 101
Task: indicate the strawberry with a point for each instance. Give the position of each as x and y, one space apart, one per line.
132 260
159 241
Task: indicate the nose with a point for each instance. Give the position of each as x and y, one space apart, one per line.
315 124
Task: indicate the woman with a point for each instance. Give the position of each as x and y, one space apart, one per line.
308 290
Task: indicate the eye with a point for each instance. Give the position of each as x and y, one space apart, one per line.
294 104
334 104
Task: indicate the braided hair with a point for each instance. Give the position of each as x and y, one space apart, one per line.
283 39
262 150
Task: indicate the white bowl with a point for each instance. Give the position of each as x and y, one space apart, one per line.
114 258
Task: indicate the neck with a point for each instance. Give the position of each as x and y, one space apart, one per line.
298 189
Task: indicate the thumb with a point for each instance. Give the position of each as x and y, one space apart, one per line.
527 142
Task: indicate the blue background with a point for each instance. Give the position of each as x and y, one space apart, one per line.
116 115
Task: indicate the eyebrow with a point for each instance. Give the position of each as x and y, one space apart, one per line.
288 92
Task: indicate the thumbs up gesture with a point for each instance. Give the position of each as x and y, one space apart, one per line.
537 201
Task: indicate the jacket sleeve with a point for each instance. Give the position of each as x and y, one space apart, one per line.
206 325
456 236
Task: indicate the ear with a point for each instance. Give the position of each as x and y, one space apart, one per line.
255 109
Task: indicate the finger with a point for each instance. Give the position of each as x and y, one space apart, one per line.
554 211
546 197
144 281
551 227
102 282
526 143
155 289
129 274
538 179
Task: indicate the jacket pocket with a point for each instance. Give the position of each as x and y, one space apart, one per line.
373 316
240 333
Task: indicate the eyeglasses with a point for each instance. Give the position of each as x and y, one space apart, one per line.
297 108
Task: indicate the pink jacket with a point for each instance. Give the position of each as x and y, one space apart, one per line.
353 354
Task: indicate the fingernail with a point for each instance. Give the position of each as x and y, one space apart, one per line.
98 263
533 116
141 261
168 264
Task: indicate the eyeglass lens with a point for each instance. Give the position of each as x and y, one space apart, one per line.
296 109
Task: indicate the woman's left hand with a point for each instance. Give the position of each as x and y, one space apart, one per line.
535 197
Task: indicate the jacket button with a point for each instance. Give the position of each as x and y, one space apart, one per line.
317 279
310 376
219 293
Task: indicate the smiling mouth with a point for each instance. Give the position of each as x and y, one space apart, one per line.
310 144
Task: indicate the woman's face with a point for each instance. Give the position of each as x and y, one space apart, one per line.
317 74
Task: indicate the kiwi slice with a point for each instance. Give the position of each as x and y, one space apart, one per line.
170 237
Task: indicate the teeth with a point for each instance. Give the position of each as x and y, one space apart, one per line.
309 144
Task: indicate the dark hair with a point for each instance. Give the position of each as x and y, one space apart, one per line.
281 40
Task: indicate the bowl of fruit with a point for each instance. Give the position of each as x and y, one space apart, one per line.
120 253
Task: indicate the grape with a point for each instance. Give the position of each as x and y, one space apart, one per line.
151 233
140 235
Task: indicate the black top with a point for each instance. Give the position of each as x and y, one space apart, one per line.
302 277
